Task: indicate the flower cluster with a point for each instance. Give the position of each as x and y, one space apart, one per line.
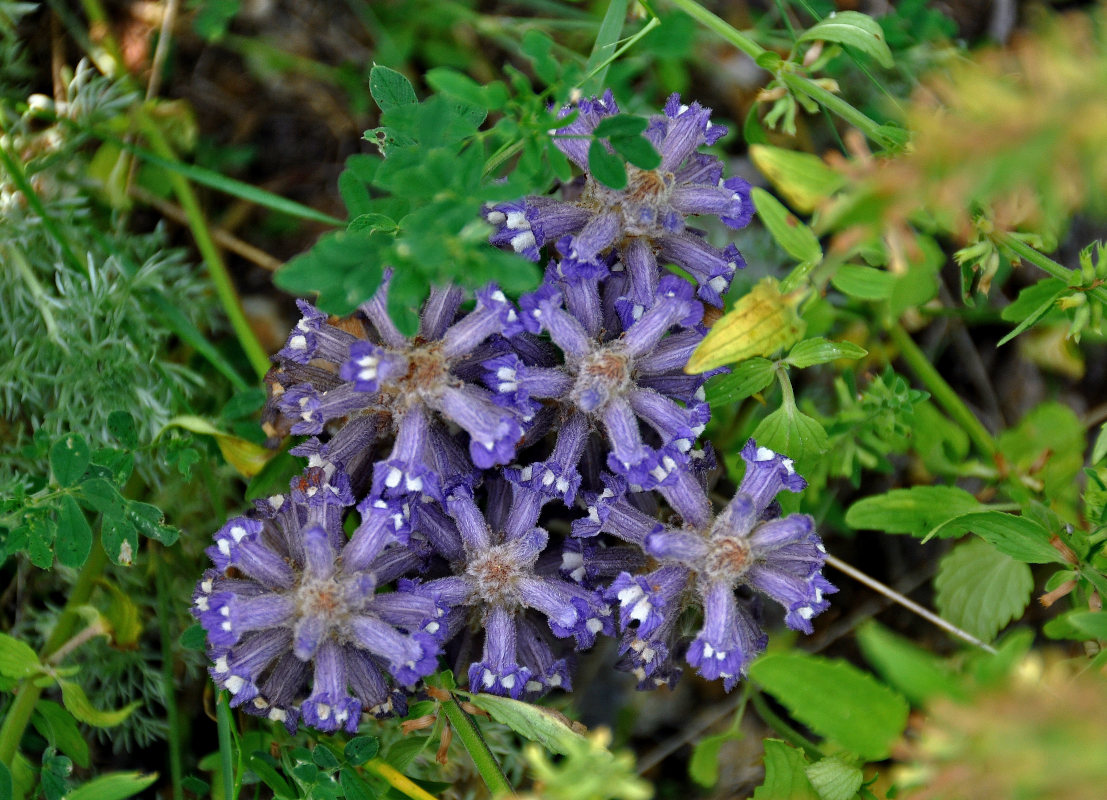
525 478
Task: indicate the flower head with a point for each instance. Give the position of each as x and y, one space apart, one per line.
291 603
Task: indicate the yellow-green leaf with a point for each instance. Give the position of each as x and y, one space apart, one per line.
17 659
113 786
798 240
78 704
804 179
245 456
760 323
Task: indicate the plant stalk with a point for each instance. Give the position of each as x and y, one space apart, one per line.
226 745
947 398
397 780
469 735
19 715
1045 263
172 713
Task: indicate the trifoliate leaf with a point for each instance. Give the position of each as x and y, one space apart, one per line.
980 589
69 458
122 427
119 539
836 700
390 88
361 748
74 537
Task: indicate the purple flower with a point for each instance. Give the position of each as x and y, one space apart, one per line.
610 383
358 381
645 222
706 560
291 603
502 583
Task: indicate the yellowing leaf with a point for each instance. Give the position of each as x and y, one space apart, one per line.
804 179
77 703
760 323
245 456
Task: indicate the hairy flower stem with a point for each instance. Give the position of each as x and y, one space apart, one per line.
947 398
19 714
469 736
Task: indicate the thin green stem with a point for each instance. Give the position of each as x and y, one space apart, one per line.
469 735
19 715
721 27
397 780
172 713
226 744
943 393
201 233
786 731
1045 263
831 101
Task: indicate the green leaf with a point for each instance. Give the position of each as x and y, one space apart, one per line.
787 230
607 39
17 659
5 782
74 537
113 786
60 729
836 700
1093 623
855 30
918 674
390 88
450 81
193 638
1033 303
97 494
606 167
704 765
77 703
341 267
360 749
122 427
1099 450
324 758
41 530
865 283
980 589
917 511
119 539
1048 443
535 723
785 774
638 150
749 377
620 125
150 521
834 778
52 778
265 767
1019 537
819 351
803 179
792 433
355 787
69 457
